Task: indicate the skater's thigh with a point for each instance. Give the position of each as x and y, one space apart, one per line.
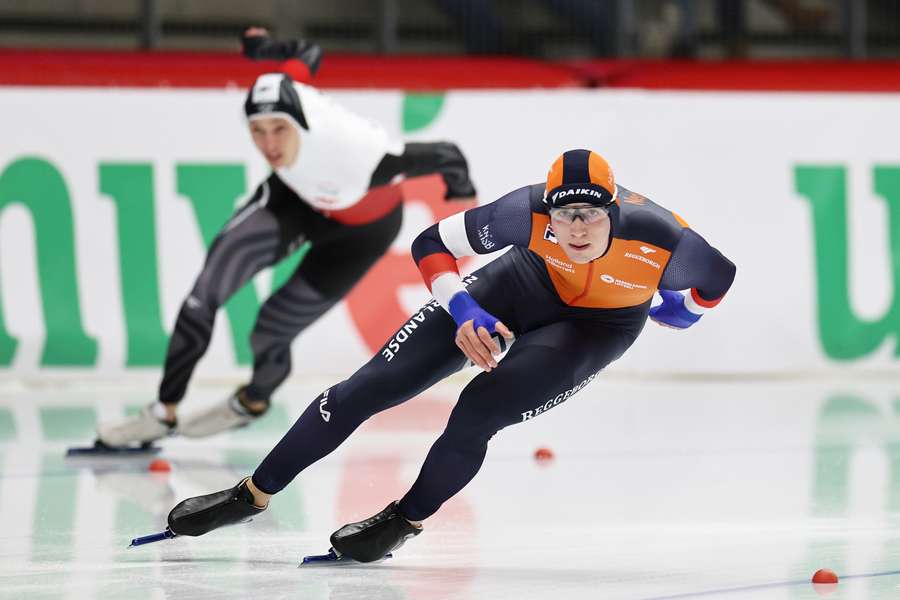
544 368
420 353
249 242
341 255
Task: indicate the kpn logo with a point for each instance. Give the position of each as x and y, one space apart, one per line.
843 334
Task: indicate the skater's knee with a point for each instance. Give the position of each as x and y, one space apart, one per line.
270 342
203 296
351 402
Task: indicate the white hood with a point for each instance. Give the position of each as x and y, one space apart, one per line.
338 154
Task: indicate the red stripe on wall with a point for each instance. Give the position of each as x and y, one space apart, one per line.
803 76
425 73
215 70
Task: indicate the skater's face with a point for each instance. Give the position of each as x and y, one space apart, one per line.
584 237
277 140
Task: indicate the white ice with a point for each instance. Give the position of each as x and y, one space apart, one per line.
659 489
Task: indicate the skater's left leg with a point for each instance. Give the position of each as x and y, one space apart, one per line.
544 368
338 259
327 274
427 355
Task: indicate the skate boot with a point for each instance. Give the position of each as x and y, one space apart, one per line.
201 514
231 413
375 537
145 427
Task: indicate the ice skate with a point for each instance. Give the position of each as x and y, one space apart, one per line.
201 514
373 538
231 413
134 435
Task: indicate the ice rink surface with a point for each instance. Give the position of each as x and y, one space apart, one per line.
659 489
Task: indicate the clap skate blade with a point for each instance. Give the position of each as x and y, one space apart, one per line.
168 534
332 559
101 449
153 537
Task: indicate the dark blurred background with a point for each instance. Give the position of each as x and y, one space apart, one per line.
554 29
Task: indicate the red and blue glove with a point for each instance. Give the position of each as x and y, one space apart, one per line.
463 307
672 311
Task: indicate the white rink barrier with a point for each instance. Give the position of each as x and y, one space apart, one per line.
108 198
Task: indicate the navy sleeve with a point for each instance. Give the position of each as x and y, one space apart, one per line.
504 222
428 242
484 229
696 264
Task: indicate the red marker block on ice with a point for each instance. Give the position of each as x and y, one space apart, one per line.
159 465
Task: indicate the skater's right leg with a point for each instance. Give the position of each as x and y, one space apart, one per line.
400 370
249 242
421 353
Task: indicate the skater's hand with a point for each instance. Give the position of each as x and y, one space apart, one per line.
478 345
672 313
475 326
252 41
256 32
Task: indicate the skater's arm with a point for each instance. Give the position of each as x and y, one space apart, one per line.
702 271
482 230
300 58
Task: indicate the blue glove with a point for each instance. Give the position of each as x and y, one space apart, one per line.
464 308
672 311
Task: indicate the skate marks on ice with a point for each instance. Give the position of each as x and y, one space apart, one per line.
657 491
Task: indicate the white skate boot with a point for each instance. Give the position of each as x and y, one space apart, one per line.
145 427
228 414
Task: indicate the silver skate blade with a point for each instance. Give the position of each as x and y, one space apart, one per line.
333 560
101 449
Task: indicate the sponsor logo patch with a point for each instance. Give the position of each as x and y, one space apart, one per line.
323 402
607 278
632 198
643 259
406 331
549 235
530 414
484 236
559 264
577 192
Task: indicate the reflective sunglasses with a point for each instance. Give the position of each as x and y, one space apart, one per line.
590 214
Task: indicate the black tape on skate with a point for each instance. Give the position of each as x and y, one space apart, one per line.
101 449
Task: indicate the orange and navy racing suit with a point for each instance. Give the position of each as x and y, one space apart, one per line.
570 321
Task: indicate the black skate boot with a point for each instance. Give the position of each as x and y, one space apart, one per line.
375 537
201 514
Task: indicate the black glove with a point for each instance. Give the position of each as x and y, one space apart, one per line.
263 47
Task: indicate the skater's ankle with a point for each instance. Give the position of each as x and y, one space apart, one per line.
166 413
416 524
260 498
253 406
